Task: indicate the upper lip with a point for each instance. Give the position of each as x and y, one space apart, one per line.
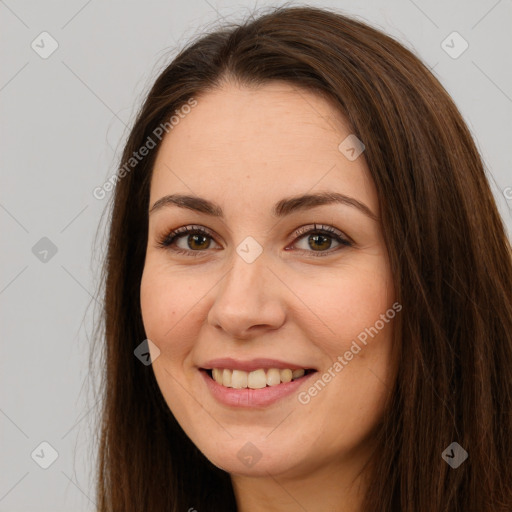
251 365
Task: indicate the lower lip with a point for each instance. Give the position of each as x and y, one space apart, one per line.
252 397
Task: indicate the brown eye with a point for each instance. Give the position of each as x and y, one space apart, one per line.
196 241
321 240
193 240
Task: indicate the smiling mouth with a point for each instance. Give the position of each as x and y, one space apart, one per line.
258 379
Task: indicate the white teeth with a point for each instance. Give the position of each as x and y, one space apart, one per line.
257 379
273 377
239 379
286 375
226 378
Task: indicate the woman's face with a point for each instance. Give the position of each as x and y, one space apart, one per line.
272 282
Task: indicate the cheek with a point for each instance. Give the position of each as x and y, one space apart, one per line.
349 330
342 304
172 306
156 302
164 301
167 314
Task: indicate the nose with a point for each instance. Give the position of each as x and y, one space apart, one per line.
248 300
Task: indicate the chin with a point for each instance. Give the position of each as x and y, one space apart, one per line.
242 457
262 467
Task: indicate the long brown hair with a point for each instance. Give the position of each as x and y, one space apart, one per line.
450 260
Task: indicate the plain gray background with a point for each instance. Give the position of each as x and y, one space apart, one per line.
63 122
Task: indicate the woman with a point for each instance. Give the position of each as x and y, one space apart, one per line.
304 245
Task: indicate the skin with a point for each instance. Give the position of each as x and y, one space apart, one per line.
245 148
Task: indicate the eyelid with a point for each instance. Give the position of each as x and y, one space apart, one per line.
169 237
307 228
340 237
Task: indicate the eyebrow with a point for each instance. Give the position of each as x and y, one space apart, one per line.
282 208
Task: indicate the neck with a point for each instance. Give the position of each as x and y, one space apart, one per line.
331 486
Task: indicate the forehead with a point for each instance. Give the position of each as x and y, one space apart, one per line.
259 143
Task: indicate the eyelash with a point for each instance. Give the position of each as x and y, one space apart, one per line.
166 240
